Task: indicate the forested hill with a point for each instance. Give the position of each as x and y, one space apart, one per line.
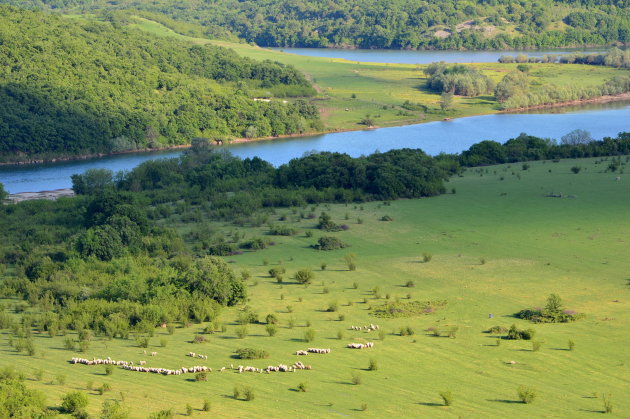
70 87
441 24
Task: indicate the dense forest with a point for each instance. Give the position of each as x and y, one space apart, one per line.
98 87
400 24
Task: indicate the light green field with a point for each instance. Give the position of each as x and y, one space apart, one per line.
381 89
532 246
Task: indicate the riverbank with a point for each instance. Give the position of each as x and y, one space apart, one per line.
49 195
599 99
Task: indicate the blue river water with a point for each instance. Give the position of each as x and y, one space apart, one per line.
454 136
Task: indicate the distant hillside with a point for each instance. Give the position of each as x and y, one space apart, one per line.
70 87
439 24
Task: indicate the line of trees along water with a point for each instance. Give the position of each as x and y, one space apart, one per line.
98 87
104 262
401 24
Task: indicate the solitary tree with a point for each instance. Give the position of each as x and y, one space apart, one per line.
3 193
446 101
576 137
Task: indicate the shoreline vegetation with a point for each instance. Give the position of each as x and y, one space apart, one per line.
600 99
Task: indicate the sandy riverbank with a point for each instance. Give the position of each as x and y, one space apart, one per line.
50 195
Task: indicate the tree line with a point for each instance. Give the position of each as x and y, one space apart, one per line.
399 24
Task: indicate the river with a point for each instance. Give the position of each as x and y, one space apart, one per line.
423 57
601 120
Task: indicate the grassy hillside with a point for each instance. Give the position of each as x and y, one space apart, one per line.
382 89
498 245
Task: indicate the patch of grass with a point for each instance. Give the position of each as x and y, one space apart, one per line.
407 309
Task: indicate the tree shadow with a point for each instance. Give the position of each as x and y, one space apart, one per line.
505 401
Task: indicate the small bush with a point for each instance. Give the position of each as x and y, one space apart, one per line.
236 392
386 218
207 405
189 410
355 285
515 334
329 243
309 335
271 329
304 276
526 394
571 345
341 317
163 342
410 284
302 387
38 374
109 369
143 342
536 345
333 307
426 257
69 344
340 334
170 329
271 319
241 332
497 330
251 353
381 335
356 378
373 365
364 407
199 339
608 403
248 394
447 397
576 169
60 379
201 376
74 402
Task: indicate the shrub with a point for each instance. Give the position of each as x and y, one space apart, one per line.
526 394
381 335
248 394
189 410
241 332
251 353
143 342
447 397
355 285
290 309
74 402
576 169
236 393
199 339
373 365
497 330
608 404
386 218
68 343
452 331
410 284
171 329
271 329
109 369
323 266
163 342
350 260
271 319
329 243
60 379
302 387
333 306
112 409
356 378
364 407
304 276
341 317
515 334
309 335
340 334
206 405
277 273
571 344
38 374
291 323
426 257
536 345
162 414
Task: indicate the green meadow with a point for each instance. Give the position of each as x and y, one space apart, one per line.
495 244
380 90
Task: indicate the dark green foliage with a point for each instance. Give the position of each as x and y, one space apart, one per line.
517 334
302 387
251 353
553 312
206 405
74 402
329 243
407 309
373 365
400 24
271 319
386 218
16 400
113 409
457 79
201 376
82 96
282 231
447 397
304 276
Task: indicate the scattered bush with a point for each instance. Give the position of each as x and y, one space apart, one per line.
407 331
74 402
333 306
536 345
608 403
206 405
248 394
199 339
410 284
571 345
576 169
515 334
386 218
189 410
426 257
329 243
497 330
201 376
356 378
526 394
109 369
447 397
271 329
304 276
373 365
553 312
251 353
309 335
302 387
271 319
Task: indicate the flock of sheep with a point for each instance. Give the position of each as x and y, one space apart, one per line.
314 351
273 368
98 361
367 328
165 371
194 355
360 345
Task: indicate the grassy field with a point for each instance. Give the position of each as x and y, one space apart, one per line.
498 245
381 89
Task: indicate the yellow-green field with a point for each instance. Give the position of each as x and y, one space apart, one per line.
381 89
498 245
